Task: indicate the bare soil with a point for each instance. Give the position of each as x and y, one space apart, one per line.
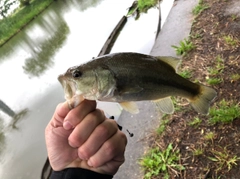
209 34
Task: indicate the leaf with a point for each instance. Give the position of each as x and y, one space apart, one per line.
213 159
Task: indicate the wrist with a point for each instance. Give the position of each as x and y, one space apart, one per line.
78 173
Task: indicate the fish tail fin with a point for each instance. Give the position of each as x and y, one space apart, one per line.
201 102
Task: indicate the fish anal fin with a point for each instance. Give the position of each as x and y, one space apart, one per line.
172 61
165 105
130 107
201 102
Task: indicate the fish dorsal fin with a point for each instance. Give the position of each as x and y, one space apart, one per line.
130 107
165 105
172 61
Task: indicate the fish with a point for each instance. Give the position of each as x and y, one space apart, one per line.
129 77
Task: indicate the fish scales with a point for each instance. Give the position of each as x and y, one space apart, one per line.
152 75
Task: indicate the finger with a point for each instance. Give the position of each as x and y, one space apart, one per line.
101 133
112 150
85 128
77 114
60 113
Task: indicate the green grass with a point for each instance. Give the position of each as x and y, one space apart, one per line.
176 101
199 8
234 17
224 159
209 136
196 36
144 5
186 74
197 152
229 40
195 122
162 126
157 162
235 77
14 23
224 112
218 68
184 47
214 81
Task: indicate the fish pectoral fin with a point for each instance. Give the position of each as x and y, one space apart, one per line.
75 101
172 61
165 105
130 107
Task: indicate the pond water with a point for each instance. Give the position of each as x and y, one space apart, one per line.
68 33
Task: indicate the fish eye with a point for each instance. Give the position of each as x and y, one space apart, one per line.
76 74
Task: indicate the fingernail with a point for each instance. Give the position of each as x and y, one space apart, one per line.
89 163
81 157
67 125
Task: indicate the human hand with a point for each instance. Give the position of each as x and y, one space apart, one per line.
83 137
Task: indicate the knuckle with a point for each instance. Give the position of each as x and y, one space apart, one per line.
97 115
110 149
75 141
103 131
113 124
123 137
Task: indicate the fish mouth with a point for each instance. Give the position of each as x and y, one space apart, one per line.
72 95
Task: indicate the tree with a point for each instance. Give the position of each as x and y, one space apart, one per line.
5 6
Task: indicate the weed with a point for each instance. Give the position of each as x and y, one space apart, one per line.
234 17
144 5
235 77
196 36
214 81
216 70
176 102
224 112
195 122
224 159
197 152
209 136
199 8
184 47
186 74
230 40
156 162
162 126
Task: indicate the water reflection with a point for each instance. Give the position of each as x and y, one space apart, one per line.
4 107
2 136
42 56
66 34
83 4
14 118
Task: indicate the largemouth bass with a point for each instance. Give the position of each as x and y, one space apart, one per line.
129 77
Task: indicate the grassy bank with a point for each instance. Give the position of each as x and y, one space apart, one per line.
15 22
189 145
